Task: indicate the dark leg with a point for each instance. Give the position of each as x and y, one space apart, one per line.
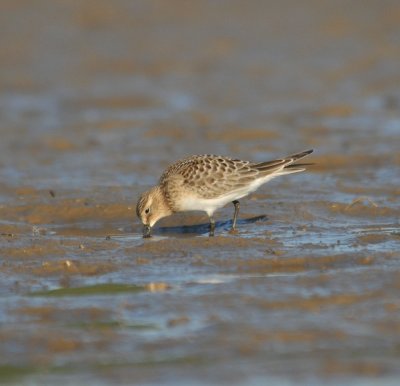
212 226
235 215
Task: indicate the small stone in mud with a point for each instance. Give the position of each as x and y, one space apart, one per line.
157 287
178 321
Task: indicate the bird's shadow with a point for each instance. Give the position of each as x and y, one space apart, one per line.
205 227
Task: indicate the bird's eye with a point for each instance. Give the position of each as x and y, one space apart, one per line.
147 211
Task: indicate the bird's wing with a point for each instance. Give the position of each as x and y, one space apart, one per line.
211 176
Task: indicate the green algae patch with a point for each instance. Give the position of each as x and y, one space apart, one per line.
96 289
114 325
10 373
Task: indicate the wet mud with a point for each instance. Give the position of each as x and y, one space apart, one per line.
97 98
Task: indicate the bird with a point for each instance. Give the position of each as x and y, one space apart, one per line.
207 183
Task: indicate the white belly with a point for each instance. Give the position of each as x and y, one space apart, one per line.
211 205
207 205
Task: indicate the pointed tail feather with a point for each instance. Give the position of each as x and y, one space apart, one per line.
303 165
299 155
284 163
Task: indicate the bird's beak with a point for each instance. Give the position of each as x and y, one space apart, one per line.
146 231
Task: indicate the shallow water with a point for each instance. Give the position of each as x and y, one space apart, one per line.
96 99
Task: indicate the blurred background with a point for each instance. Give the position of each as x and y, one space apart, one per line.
113 83
98 97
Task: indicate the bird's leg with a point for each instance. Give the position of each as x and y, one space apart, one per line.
212 226
235 215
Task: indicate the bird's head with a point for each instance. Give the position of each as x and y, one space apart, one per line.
150 208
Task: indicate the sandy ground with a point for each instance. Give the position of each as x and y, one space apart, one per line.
98 97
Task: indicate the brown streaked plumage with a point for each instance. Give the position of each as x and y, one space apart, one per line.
208 182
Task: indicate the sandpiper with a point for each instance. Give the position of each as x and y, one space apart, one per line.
207 183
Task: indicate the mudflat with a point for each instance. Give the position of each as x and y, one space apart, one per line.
97 98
